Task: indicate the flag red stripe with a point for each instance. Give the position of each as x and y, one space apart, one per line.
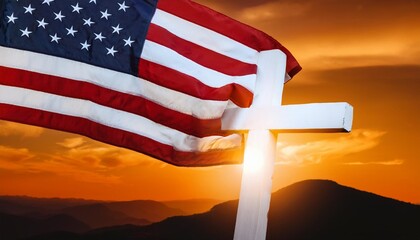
199 54
184 83
218 22
106 97
117 137
227 26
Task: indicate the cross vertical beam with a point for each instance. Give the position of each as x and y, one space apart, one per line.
263 120
260 149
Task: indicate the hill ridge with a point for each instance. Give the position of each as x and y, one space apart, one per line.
311 209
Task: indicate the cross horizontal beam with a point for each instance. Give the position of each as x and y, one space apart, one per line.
331 117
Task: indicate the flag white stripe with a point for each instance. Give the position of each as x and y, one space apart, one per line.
167 57
121 82
205 37
114 118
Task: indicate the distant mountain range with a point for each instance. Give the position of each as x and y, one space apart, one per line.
22 216
312 209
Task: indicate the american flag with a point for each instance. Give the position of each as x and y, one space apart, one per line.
152 76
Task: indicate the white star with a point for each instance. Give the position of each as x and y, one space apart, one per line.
47 2
111 51
94 1
76 8
11 18
55 38
128 41
42 23
123 6
29 9
71 31
105 14
99 36
25 32
85 45
88 22
59 16
117 29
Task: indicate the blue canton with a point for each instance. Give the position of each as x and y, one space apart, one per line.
105 33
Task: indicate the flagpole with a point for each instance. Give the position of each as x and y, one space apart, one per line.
260 152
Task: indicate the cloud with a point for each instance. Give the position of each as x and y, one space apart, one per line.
16 129
327 16
386 163
231 5
348 52
95 156
91 161
10 157
21 161
72 142
81 159
334 34
317 151
373 73
271 10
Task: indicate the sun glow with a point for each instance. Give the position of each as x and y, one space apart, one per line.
253 162
257 156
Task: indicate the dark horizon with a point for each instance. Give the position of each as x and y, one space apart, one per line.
323 208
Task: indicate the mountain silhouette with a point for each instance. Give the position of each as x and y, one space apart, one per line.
17 227
153 211
332 211
312 209
95 214
193 206
98 215
24 205
140 212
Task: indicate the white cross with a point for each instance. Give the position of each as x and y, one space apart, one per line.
262 120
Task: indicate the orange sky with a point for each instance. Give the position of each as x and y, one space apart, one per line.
363 52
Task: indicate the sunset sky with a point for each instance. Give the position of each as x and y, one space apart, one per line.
363 52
